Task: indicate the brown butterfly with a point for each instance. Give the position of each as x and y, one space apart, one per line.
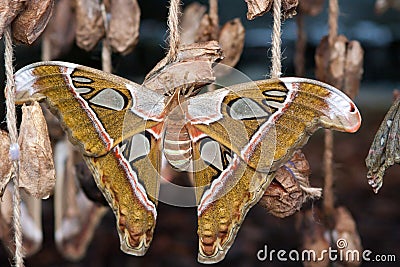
231 140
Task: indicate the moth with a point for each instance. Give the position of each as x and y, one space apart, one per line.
232 140
385 149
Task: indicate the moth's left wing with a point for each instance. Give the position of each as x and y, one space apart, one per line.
128 177
278 115
226 189
96 108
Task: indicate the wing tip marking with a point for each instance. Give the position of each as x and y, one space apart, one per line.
352 114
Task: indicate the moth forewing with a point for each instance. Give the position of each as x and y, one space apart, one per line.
235 118
249 116
91 104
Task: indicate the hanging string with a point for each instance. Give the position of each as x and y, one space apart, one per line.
333 20
329 201
173 25
214 17
46 48
301 44
106 54
213 13
276 41
14 147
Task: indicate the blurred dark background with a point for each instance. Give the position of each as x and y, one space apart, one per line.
175 240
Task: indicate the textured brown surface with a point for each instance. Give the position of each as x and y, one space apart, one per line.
346 229
5 163
231 38
37 174
190 22
311 7
312 233
318 236
330 60
123 30
89 23
207 30
353 68
284 196
194 68
9 9
31 22
289 8
258 8
340 63
60 31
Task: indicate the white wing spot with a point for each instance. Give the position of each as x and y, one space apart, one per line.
245 108
382 141
140 146
274 104
275 93
83 90
211 153
109 98
81 79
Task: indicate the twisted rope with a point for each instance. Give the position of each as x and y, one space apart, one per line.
173 25
106 54
329 199
276 41
14 147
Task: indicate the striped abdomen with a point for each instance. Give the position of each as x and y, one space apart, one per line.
177 145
